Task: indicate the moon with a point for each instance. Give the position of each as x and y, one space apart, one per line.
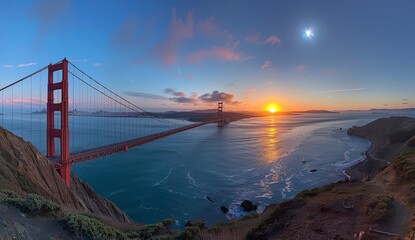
308 33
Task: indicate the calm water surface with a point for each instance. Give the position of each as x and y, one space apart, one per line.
264 160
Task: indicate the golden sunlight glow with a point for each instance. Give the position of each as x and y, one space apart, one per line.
272 108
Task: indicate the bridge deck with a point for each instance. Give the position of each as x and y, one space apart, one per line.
89 154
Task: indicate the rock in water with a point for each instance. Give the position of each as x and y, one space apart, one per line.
248 206
224 209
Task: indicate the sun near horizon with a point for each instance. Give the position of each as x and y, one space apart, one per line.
273 108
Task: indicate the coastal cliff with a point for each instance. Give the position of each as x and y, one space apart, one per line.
25 170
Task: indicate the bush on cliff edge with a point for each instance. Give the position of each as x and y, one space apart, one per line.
32 203
83 225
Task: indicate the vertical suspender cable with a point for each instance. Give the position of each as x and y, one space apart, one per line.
31 109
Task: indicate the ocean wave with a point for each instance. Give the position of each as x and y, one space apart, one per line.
117 192
191 180
164 179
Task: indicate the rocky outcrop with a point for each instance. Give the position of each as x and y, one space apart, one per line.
248 206
389 136
24 169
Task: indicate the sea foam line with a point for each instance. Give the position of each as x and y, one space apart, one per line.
164 179
191 180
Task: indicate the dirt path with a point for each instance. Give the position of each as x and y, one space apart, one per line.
16 225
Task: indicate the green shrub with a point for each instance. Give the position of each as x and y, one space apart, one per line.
12 198
378 208
191 232
83 225
405 165
154 231
38 204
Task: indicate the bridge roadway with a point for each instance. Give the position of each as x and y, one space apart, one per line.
92 153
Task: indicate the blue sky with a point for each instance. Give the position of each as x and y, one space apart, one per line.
177 54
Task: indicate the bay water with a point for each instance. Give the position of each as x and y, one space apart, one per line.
190 175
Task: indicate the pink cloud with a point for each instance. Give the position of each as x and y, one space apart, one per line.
273 40
223 53
300 68
208 27
256 39
180 29
25 100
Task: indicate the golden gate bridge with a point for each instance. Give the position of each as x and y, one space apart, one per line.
69 98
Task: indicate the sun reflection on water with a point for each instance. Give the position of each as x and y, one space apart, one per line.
271 151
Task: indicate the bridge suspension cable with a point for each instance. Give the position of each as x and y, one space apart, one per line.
144 112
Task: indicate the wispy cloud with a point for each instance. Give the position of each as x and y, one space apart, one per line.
267 66
145 95
208 27
180 29
180 97
273 40
46 13
256 39
26 64
98 64
342 90
173 92
223 53
7 65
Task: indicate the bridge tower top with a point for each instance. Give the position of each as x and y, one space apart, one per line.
59 105
220 109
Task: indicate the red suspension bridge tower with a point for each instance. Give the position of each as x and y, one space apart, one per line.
55 106
220 114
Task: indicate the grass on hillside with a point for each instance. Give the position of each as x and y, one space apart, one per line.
32 203
405 166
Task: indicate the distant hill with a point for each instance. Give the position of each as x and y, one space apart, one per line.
202 115
392 109
314 111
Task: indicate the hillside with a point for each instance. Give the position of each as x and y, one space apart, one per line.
24 170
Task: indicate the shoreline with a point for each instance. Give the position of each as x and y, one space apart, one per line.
353 172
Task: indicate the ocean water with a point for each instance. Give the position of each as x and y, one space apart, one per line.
265 160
